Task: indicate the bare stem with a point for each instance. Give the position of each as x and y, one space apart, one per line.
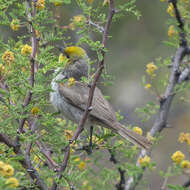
32 62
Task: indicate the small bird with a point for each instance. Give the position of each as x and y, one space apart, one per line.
71 100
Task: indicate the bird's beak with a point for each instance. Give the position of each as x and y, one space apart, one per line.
61 48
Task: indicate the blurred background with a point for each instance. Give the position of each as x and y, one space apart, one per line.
133 45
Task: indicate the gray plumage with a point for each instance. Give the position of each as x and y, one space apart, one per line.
71 101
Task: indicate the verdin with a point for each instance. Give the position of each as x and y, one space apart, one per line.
71 100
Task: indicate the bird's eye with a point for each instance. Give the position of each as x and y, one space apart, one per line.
67 56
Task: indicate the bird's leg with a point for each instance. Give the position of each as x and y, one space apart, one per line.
90 142
88 148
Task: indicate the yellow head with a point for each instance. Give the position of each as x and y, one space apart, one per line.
75 53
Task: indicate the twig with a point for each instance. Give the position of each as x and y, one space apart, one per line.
164 185
32 62
165 102
121 184
44 150
100 28
91 93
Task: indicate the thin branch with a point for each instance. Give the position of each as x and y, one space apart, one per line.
26 162
32 62
91 93
185 74
164 185
100 28
183 40
121 184
165 102
47 153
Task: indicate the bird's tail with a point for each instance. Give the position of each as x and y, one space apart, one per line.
133 137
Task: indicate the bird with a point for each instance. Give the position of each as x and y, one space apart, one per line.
71 100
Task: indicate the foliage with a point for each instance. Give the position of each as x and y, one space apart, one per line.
28 59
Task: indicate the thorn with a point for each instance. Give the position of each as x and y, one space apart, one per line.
30 170
55 170
162 99
90 108
168 125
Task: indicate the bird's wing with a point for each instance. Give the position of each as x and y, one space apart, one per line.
77 95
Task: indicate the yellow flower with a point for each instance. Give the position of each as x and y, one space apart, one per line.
7 170
50 180
57 3
59 120
184 137
106 2
40 4
1 167
144 162
36 159
35 110
2 68
170 10
8 57
68 134
72 150
26 49
137 130
177 157
150 137
185 164
72 26
79 18
90 1
171 31
37 33
85 183
15 24
89 188
37 169
82 165
62 58
121 142
1 164
76 159
71 81
150 68
148 86
12 182
43 132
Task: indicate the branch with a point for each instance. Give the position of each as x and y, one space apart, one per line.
100 28
47 153
91 93
184 75
121 184
26 162
165 102
187 183
32 61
